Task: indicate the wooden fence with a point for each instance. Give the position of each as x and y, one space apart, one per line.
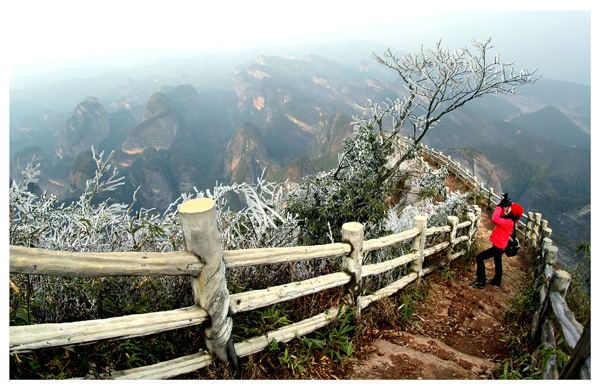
204 261
553 284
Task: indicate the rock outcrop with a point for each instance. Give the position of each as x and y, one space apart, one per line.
156 190
487 173
83 169
158 129
87 127
19 161
246 155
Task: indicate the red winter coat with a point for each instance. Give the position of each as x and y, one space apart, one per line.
504 227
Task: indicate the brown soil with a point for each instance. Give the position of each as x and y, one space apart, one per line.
458 333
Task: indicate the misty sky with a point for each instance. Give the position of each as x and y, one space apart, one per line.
44 35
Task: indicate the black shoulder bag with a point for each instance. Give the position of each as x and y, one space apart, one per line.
513 244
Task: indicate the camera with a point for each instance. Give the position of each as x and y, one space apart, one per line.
505 202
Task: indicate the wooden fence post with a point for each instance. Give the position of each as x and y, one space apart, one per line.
551 369
539 316
546 268
353 233
529 227
543 227
550 257
477 220
561 280
472 229
536 229
419 245
546 243
539 265
546 233
202 238
543 331
453 222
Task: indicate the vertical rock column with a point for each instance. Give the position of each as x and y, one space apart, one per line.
201 237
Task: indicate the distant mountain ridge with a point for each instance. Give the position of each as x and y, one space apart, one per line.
288 117
550 122
541 158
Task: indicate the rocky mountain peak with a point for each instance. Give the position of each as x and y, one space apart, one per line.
158 129
247 156
87 127
186 101
19 161
158 105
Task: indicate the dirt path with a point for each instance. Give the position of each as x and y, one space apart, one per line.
459 333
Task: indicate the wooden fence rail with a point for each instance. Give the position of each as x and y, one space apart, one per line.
204 261
554 284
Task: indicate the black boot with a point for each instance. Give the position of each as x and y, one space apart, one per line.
478 285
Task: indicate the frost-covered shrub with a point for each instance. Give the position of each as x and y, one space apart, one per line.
84 226
88 226
271 215
437 213
353 192
402 219
420 181
263 222
432 183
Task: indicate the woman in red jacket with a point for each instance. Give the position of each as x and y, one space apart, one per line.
505 217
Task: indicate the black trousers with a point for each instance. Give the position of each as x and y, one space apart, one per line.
496 253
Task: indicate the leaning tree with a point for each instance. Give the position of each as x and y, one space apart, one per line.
437 82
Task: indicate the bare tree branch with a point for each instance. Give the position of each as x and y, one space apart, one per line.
439 82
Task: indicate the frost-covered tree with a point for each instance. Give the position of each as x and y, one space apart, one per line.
438 82
351 192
